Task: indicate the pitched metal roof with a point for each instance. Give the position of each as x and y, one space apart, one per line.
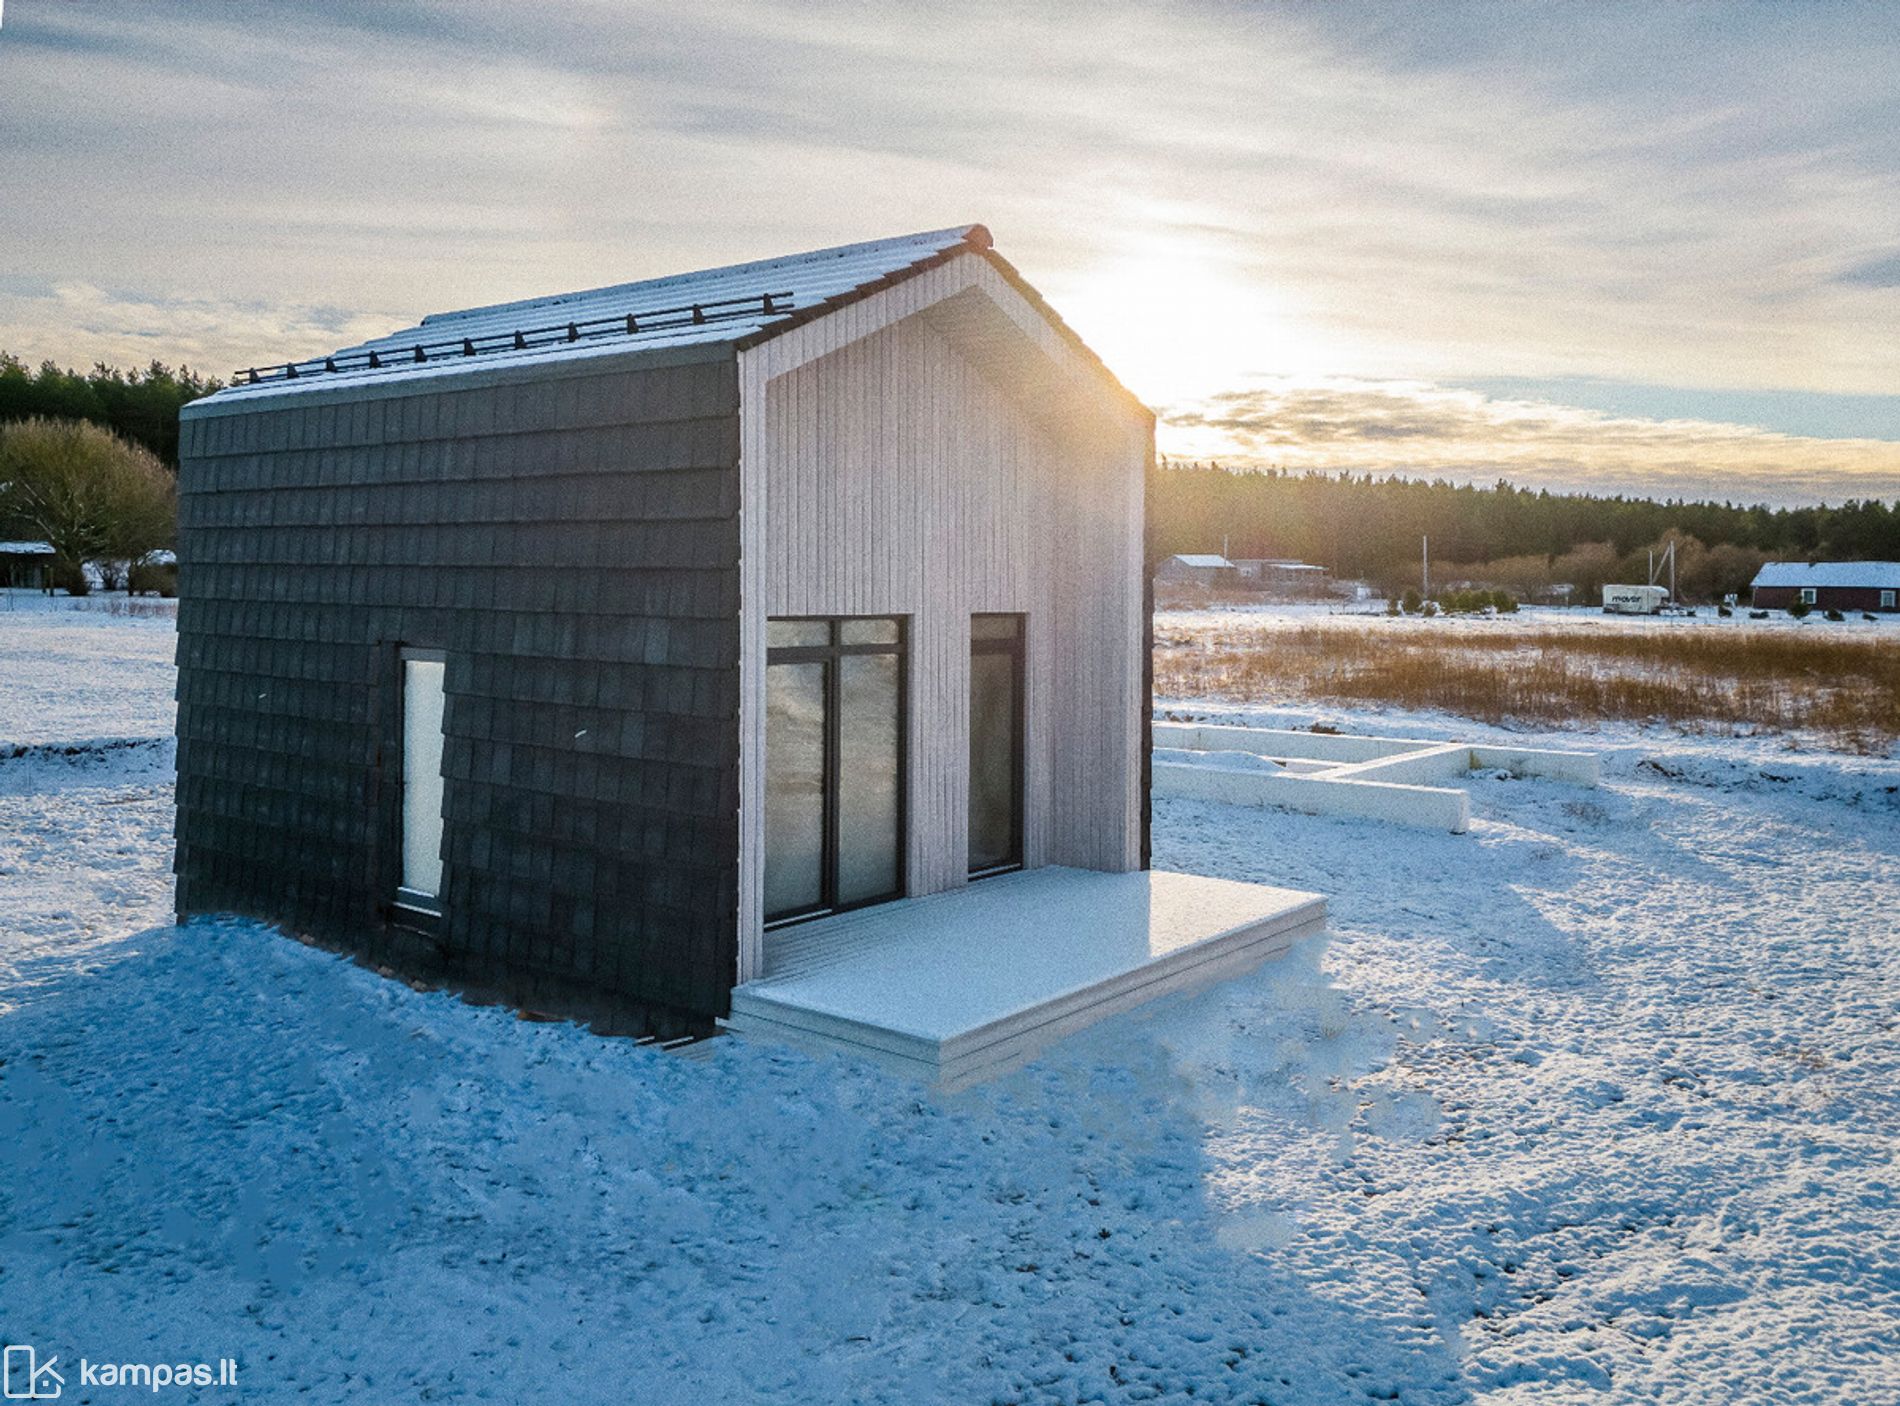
739 303
1201 559
1862 575
1278 563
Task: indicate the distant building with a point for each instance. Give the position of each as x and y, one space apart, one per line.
1281 576
1197 569
1828 585
26 564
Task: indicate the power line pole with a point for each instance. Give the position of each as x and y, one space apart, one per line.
1668 561
1425 567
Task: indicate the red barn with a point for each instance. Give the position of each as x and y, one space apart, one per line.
1828 585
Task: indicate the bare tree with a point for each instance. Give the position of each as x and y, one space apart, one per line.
93 496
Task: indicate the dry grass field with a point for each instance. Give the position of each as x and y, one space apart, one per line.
1844 688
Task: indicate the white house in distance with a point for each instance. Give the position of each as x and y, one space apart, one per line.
1283 577
1197 569
764 644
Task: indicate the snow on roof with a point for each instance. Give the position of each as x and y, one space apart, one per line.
1879 575
714 305
26 549
1201 559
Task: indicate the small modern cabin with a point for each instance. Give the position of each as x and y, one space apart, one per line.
1828 585
576 648
765 645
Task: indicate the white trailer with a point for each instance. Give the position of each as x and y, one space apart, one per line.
1634 600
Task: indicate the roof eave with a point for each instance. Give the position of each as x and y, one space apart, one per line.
978 238
1023 286
300 393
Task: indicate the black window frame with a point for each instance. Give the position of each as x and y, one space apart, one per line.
830 654
1017 646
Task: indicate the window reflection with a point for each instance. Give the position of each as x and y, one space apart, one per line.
834 780
794 786
996 742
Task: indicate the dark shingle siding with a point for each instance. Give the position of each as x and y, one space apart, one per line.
572 544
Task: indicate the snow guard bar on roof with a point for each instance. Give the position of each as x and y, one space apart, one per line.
553 335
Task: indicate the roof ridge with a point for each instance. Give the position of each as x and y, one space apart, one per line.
737 305
974 235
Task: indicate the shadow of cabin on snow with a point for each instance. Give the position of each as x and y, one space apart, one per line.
477 620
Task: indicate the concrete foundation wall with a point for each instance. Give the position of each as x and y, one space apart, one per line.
1430 807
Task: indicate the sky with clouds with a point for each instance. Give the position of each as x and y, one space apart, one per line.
1629 247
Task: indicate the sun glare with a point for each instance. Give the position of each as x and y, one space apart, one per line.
1178 324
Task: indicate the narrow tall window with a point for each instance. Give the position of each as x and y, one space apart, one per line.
1886 600
834 776
421 879
996 743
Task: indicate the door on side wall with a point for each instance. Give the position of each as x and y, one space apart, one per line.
834 764
996 744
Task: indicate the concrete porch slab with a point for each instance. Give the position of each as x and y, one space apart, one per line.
970 984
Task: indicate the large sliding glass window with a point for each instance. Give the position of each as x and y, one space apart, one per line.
996 743
834 765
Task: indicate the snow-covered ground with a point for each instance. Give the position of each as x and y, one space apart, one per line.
1855 625
72 670
1599 1102
86 715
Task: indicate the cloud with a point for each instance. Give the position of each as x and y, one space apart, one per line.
1421 429
1883 272
1365 193
131 330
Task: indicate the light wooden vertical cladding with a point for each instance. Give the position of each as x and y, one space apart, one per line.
933 452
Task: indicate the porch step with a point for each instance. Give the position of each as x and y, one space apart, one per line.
970 984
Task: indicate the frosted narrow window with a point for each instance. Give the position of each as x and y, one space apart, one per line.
422 778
